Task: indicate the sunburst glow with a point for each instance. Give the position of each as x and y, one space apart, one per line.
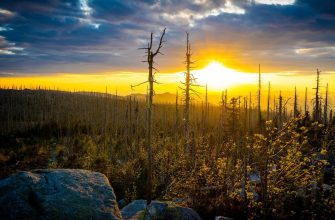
217 76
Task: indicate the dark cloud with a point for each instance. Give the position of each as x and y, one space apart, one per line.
93 35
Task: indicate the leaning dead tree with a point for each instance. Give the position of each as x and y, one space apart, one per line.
189 83
150 56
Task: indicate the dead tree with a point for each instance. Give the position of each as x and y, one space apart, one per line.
306 101
245 104
188 89
177 118
150 56
105 120
226 99
250 113
206 108
317 98
330 117
325 108
116 115
259 99
320 108
268 105
295 108
222 107
274 111
280 110
187 93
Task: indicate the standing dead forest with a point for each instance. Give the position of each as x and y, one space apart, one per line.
235 158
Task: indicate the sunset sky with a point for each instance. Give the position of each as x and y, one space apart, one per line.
90 44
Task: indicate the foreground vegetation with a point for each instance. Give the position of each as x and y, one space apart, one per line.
237 169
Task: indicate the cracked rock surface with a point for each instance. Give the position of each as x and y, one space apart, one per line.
57 194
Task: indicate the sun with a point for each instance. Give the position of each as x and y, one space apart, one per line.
219 77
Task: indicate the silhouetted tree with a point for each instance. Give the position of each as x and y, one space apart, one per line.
295 107
325 108
316 115
268 104
259 99
306 101
189 83
151 54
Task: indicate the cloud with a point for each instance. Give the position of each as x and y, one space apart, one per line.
6 12
85 35
191 17
275 2
9 48
87 10
6 29
7 74
317 52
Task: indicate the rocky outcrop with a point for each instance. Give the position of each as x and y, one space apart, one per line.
157 210
75 194
57 194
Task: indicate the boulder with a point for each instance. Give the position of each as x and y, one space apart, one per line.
157 210
134 209
57 194
222 218
121 203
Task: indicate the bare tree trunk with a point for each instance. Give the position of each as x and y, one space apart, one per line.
295 110
137 129
176 120
325 108
320 109
116 114
206 108
274 112
105 121
187 94
306 101
226 100
317 107
245 102
330 117
268 105
151 80
259 100
189 84
222 109
250 113
148 137
280 110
